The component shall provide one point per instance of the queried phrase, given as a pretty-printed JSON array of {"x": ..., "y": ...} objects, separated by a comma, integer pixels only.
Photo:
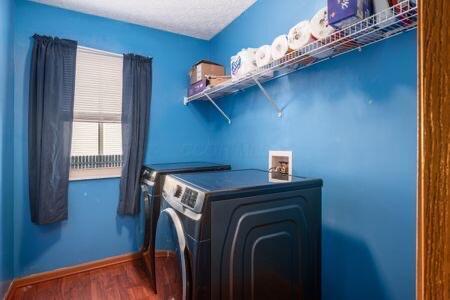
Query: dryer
[
  {"x": 152, "y": 180},
  {"x": 241, "y": 235}
]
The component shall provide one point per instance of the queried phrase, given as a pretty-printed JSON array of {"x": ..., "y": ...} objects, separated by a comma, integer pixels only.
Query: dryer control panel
[
  {"x": 184, "y": 198},
  {"x": 189, "y": 197}
]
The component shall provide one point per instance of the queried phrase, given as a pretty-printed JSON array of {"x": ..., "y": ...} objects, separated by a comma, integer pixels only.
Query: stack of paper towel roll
[
  {"x": 302, "y": 34},
  {"x": 299, "y": 36}
]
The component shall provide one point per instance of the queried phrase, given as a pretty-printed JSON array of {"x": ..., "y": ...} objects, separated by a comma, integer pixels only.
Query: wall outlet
[{"x": 280, "y": 165}]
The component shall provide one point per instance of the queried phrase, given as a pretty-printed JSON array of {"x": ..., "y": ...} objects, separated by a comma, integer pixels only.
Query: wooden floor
[{"x": 122, "y": 281}]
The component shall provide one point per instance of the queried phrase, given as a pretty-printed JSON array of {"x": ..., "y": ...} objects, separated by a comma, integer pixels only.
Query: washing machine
[
  {"x": 152, "y": 180},
  {"x": 241, "y": 234}
]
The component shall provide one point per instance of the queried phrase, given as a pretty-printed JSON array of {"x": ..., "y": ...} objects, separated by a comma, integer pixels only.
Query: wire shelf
[{"x": 399, "y": 18}]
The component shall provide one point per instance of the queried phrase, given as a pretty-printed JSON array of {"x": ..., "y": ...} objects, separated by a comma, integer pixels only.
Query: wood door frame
[{"x": 433, "y": 207}]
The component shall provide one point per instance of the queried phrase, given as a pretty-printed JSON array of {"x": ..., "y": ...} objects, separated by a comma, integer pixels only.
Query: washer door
[{"x": 171, "y": 259}]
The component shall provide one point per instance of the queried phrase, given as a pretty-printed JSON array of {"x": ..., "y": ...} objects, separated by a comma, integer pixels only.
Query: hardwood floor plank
[
  {"x": 76, "y": 287},
  {"x": 49, "y": 290},
  {"x": 121, "y": 281}
]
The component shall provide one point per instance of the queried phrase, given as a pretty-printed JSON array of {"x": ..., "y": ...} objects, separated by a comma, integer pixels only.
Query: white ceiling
[{"x": 197, "y": 18}]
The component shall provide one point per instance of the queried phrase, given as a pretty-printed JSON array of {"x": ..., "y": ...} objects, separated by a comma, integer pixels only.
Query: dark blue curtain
[
  {"x": 50, "y": 116},
  {"x": 137, "y": 89}
]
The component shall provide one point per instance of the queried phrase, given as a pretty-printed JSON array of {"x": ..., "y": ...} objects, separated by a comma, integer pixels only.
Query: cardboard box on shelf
[
  {"x": 204, "y": 68},
  {"x": 214, "y": 80}
]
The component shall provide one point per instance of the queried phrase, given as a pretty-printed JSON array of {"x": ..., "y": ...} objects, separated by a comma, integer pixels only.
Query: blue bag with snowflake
[{"x": 342, "y": 13}]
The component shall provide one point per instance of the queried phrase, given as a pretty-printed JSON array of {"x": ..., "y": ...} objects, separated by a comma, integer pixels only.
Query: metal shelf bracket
[
  {"x": 218, "y": 108},
  {"x": 269, "y": 98}
]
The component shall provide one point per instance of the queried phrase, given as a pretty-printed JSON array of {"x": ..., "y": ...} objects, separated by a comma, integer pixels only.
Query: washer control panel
[{"x": 182, "y": 197}]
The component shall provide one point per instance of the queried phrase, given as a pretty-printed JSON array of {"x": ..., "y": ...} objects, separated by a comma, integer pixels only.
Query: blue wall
[
  {"x": 93, "y": 230},
  {"x": 6, "y": 154},
  {"x": 351, "y": 121}
]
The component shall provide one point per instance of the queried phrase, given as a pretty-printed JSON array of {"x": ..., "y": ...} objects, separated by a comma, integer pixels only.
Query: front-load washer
[
  {"x": 152, "y": 180},
  {"x": 240, "y": 235}
]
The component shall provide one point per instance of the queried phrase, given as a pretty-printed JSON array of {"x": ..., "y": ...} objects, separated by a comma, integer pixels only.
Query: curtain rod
[{"x": 96, "y": 51}]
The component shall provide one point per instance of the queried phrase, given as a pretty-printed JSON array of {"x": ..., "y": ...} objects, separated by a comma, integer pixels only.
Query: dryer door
[
  {"x": 147, "y": 206},
  {"x": 151, "y": 214},
  {"x": 172, "y": 265}
]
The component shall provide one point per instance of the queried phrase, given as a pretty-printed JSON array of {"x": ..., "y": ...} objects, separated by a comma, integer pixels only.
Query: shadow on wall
[
  {"x": 347, "y": 259},
  {"x": 132, "y": 227}
]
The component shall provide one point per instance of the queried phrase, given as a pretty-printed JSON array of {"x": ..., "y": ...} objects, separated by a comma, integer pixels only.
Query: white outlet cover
[{"x": 288, "y": 156}]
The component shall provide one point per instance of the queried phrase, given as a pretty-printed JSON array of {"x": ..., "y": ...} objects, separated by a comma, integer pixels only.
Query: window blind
[
  {"x": 85, "y": 139},
  {"x": 97, "y": 129},
  {"x": 98, "y": 87},
  {"x": 112, "y": 138}
]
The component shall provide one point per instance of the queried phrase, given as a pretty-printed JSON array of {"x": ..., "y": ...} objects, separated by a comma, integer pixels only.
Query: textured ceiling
[{"x": 197, "y": 18}]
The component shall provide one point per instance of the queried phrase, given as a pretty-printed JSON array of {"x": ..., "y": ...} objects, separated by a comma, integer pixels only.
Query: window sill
[{"x": 91, "y": 174}]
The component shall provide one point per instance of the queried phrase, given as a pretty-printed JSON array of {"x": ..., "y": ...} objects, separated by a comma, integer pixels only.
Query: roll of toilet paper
[
  {"x": 319, "y": 24},
  {"x": 280, "y": 46},
  {"x": 300, "y": 35},
  {"x": 264, "y": 55}
]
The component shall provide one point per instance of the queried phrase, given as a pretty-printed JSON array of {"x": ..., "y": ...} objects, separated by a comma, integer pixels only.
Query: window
[{"x": 97, "y": 130}]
